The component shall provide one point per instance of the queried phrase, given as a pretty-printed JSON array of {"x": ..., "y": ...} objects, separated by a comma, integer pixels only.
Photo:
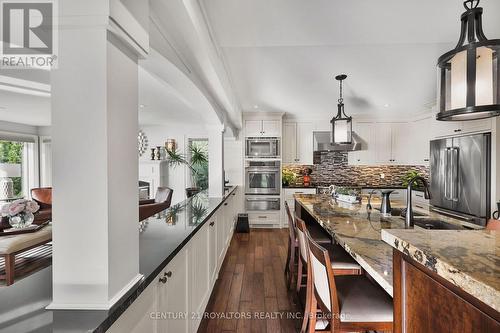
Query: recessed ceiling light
[
  {"x": 142, "y": 106},
  {"x": 386, "y": 105},
  {"x": 256, "y": 106}
]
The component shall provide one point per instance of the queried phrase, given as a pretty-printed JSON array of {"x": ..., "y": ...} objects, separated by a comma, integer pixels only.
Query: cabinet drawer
[
  {"x": 290, "y": 192},
  {"x": 264, "y": 218}
]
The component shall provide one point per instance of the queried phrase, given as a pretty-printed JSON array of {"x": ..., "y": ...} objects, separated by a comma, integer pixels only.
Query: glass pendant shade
[{"x": 468, "y": 76}]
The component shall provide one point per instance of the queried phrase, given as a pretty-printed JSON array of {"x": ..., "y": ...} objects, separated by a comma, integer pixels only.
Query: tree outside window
[{"x": 12, "y": 152}]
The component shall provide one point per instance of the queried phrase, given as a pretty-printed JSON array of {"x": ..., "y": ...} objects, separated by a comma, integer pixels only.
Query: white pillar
[
  {"x": 216, "y": 161},
  {"x": 95, "y": 168}
]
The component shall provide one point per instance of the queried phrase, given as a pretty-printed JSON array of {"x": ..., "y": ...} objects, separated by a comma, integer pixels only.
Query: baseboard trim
[{"x": 97, "y": 306}]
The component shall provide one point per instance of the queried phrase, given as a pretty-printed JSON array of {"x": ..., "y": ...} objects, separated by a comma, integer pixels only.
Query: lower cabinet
[
  {"x": 176, "y": 299},
  {"x": 425, "y": 302}
]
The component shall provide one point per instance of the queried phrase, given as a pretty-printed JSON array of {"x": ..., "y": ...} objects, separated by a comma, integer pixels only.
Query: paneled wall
[{"x": 334, "y": 169}]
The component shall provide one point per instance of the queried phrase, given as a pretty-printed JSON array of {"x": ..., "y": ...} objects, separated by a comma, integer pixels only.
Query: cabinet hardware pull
[
  {"x": 168, "y": 274},
  {"x": 163, "y": 280},
  {"x": 225, "y": 204},
  {"x": 262, "y": 217},
  {"x": 426, "y": 160},
  {"x": 212, "y": 224}
]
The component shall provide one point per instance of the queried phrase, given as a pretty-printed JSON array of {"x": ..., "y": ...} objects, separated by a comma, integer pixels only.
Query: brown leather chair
[
  {"x": 43, "y": 197},
  {"x": 161, "y": 202}
]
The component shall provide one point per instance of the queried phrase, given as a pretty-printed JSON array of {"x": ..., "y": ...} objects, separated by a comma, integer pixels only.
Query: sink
[
  {"x": 435, "y": 224},
  {"x": 397, "y": 212}
]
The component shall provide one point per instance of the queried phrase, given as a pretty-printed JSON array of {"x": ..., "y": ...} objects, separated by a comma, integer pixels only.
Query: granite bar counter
[
  {"x": 161, "y": 237},
  {"x": 467, "y": 259}
]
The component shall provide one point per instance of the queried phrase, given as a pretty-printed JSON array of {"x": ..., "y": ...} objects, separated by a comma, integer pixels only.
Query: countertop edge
[
  {"x": 123, "y": 304},
  {"x": 477, "y": 289}
]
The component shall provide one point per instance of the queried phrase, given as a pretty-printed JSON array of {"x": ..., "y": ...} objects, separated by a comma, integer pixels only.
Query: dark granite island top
[
  {"x": 468, "y": 259},
  {"x": 22, "y": 305}
]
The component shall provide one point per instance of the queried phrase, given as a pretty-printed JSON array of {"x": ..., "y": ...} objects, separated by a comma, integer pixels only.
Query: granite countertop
[
  {"x": 358, "y": 230},
  {"x": 467, "y": 259},
  {"x": 161, "y": 238}
]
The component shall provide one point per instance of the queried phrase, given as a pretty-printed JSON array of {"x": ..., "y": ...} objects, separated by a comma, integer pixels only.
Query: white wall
[
  {"x": 233, "y": 160},
  {"x": 178, "y": 177}
]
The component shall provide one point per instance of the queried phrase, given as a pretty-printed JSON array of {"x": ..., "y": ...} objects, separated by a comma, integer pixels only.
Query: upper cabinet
[
  {"x": 298, "y": 142},
  {"x": 454, "y": 128},
  {"x": 262, "y": 128},
  {"x": 365, "y": 156}
]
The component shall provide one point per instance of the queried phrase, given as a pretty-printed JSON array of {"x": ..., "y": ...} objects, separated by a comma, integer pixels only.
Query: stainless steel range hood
[{"x": 323, "y": 142}]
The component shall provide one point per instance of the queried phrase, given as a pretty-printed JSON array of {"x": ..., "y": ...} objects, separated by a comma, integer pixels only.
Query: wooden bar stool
[
  {"x": 343, "y": 264},
  {"x": 293, "y": 246},
  {"x": 349, "y": 303}
]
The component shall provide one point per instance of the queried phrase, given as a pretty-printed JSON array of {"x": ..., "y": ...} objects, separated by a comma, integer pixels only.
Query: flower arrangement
[{"x": 20, "y": 212}]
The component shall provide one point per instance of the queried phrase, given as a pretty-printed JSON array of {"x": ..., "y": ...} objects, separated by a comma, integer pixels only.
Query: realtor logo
[{"x": 28, "y": 33}]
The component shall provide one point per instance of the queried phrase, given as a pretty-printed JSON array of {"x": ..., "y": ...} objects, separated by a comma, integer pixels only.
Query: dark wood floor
[{"x": 250, "y": 294}]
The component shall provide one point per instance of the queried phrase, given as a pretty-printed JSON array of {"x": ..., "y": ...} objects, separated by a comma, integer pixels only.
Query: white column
[
  {"x": 95, "y": 167},
  {"x": 215, "y": 161}
]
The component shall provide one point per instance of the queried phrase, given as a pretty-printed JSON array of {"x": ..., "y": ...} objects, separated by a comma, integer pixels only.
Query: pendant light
[
  {"x": 468, "y": 75},
  {"x": 341, "y": 123}
]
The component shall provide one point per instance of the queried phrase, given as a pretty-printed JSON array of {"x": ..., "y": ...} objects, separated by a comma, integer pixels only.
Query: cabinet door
[
  {"x": 212, "y": 249},
  {"x": 382, "y": 137},
  {"x": 221, "y": 239},
  {"x": 137, "y": 318},
  {"x": 199, "y": 279},
  {"x": 481, "y": 125},
  {"x": 271, "y": 128},
  {"x": 420, "y": 141},
  {"x": 289, "y": 143},
  {"x": 445, "y": 128},
  {"x": 366, "y": 155},
  {"x": 253, "y": 127},
  {"x": 304, "y": 143},
  {"x": 401, "y": 144},
  {"x": 173, "y": 296}
]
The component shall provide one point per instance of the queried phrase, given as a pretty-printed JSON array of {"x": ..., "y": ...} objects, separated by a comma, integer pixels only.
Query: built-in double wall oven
[{"x": 263, "y": 184}]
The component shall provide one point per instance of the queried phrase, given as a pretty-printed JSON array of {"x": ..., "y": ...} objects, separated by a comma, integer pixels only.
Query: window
[
  {"x": 18, "y": 161},
  {"x": 198, "y": 158}
]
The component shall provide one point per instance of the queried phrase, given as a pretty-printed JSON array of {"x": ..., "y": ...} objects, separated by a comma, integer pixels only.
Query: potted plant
[
  {"x": 20, "y": 212},
  {"x": 409, "y": 176},
  {"x": 197, "y": 166},
  {"x": 287, "y": 177}
]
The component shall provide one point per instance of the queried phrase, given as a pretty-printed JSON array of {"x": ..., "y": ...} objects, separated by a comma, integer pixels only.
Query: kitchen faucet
[{"x": 409, "y": 209}]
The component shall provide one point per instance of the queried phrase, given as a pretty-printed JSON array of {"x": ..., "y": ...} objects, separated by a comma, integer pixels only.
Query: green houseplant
[
  {"x": 409, "y": 176},
  {"x": 197, "y": 164},
  {"x": 287, "y": 177}
]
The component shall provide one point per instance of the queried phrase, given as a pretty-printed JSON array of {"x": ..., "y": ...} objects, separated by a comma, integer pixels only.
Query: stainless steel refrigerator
[{"x": 460, "y": 176}]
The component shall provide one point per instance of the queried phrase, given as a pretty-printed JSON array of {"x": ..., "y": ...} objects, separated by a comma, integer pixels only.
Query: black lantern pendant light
[
  {"x": 341, "y": 123},
  {"x": 468, "y": 75}
]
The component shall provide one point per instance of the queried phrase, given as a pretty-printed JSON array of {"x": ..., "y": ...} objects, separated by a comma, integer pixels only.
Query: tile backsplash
[{"x": 333, "y": 168}]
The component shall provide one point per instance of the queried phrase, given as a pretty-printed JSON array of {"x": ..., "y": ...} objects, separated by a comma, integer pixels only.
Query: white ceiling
[{"x": 282, "y": 55}]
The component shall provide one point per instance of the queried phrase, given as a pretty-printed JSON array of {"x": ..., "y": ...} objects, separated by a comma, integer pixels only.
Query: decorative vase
[
  {"x": 158, "y": 153},
  {"x": 21, "y": 220},
  {"x": 153, "y": 154}
]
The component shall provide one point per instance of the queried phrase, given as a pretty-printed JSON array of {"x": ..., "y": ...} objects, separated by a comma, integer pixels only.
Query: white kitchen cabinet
[
  {"x": 271, "y": 128},
  {"x": 288, "y": 197},
  {"x": 253, "y": 127},
  {"x": 454, "y": 128},
  {"x": 212, "y": 250},
  {"x": 173, "y": 295},
  {"x": 298, "y": 143},
  {"x": 199, "y": 275},
  {"x": 420, "y": 136},
  {"x": 402, "y": 145},
  {"x": 365, "y": 156},
  {"x": 383, "y": 143},
  {"x": 137, "y": 318}
]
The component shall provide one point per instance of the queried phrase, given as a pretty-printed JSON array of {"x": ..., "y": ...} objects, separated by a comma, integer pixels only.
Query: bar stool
[
  {"x": 319, "y": 235},
  {"x": 342, "y": 264},
  {"x": 350, "y": 303}
]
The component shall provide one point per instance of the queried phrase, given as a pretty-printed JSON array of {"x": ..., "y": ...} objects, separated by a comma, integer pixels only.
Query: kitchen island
[{"x": 463, "y": 263}]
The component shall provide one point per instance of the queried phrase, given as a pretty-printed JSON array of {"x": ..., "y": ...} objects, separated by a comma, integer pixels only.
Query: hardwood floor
[{"x": 250, "y": 294}]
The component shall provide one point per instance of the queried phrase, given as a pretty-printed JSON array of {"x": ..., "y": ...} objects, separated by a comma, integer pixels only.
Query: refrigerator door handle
[
  {"x": 455, "y": 183},
  {"x": 447, "y": 182}
]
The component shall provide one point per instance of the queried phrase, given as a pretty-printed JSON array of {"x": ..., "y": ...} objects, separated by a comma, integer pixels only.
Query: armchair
[{"x": 161, "y": 202}]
